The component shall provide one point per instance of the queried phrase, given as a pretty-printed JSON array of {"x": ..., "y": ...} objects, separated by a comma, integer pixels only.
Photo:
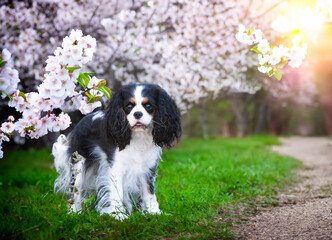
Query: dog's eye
[
  {"x": 130, "y": 106},
  {"x": 148, "y": 106}
]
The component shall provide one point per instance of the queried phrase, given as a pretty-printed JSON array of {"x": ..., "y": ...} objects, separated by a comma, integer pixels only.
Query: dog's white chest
[{"x": 133, "y": 164}]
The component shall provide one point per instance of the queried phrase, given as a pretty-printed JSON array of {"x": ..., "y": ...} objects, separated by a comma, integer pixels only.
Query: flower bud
[{"x": 11, "y": 119}]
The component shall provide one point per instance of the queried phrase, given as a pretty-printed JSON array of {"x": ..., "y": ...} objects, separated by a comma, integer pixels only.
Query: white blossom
[
  {"x": 9, "y": 77},
  {"x": 7, "y": 127},
  {"x": 263, "y": 46},
  {"x": 3, "y": 138},
  {"x": 187, "y": 47}
]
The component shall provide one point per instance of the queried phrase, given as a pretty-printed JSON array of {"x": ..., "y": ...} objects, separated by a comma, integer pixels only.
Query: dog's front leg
[
  {"x": 110, "y": 193},
  {"x": 149, "y": 199},
  {"x": 116, "y": 196}
]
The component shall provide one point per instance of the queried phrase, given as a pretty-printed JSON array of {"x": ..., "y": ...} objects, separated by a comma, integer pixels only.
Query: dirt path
[{"x": 305, "y": 210}]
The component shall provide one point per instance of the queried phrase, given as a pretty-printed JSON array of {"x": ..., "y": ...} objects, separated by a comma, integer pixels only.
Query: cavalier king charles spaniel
[{"x": 114, "y": 153}]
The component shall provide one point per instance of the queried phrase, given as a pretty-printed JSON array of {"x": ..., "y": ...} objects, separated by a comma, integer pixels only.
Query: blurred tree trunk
[
  {"x": 322, "y": 53},
  {"x": 240, "y": 103},
  {"x": 325, "y": 85},
  {"x": 277, "y": 117},
  {"x": 203, "y": 118},
  {"x": 327, "y": 107},
  {"x": 226, "y": 129},
  {"x": 260, "y": 112},
  {"x": 260, "y": 126}
]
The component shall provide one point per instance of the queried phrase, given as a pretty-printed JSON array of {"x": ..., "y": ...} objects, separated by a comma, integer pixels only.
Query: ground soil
[{"x": 304, "y": 211}]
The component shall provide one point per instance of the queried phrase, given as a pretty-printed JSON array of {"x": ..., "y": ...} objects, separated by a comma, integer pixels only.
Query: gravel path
[{"x": 305, "y": 210}]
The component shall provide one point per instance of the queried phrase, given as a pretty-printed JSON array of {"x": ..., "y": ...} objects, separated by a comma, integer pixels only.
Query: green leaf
[
  {"x": 84, "y": 79},
  {"x": 93, "y": 99},
  {"x": 10, "y": 97},
  {"x": 278, "y": 74},
  {"x": 21, "y": 94},
  {"x": 80, "y": 80},
  {"x": 255, "y": 49},
  {"x": 250, "y": 31},
  {"x": 31, "y": 128},
  {"x": 105, "y": 90},
  {"x": 270, "y": 72},
  {"x": 137, "y": 50},
  {"x": 282, "y": 63},
  {"x": 88, "y": 94},
  {"x": 102, "y": 83},
  {"x": 72, "y": 69},
  {"x": 3, "y": 63}
]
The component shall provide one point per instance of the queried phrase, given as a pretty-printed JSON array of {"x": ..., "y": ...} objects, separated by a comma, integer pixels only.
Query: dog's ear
[
  {"x": 117, "y": 127},
  {"x": 167, "y": 121}
]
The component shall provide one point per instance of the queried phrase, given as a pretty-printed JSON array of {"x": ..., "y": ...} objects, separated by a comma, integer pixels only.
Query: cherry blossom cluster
[
  {"x": 58, "y": 90},
  {"x": 188, "y": 47},
  {"x": 9, "y": 77},
  {"x": 63, "y": 68},
  {"x": 272, "y": 58}
]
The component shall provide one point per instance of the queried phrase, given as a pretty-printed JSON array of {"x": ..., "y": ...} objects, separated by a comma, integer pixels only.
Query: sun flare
[{"x": 305, "y": 22}]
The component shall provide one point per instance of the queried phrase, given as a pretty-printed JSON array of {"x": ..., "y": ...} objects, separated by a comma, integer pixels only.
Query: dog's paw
[
  {"x": 155, "y": 211},
  {"x": 118, "y": 215}
]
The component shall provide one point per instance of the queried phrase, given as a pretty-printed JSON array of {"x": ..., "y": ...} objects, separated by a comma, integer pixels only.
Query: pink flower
[
  {"x": 275, "y": 57},
  {"x": 11, "y": 118},
  {"x": 21, "y": 125},
  {"x": 256, "y": 36},
  {"x": 6, "y": 55},
  {"x": 264, "y": 69},
  {"x": 263, "y": 46},
  {"x": 76, "y": 52},
  {"x": 75, "y": 35},
  {"x": 7, "y": 127},
  {"x": 3, "y": 138},
  {"x": 64, "y": 121},
  {"x": 66, "y": 43},
  {"x": 47, "y": 122}
]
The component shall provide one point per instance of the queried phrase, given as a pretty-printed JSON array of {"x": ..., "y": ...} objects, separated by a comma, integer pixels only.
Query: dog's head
[{"x": 139, "y": 108}]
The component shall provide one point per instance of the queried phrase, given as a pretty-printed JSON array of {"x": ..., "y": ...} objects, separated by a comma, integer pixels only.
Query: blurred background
[
  {"x": 190, "y": 49},
  {"x": 301, "y": 104}
]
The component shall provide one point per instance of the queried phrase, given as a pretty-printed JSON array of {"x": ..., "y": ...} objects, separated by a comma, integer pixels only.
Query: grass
[{"x": 194, "y": 181}]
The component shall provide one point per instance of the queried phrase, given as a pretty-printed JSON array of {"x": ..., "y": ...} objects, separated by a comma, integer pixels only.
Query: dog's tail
[{"x": 62, "y": 162}]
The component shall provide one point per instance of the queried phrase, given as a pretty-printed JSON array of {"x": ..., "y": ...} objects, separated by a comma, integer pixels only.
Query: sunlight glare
[{"x": 303, "y": 21}]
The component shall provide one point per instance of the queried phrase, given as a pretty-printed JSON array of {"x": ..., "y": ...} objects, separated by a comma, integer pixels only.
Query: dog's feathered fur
[{"x": 121, "y": 148}]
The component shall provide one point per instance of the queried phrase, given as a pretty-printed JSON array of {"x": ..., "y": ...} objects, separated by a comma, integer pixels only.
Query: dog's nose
[{"x": 138, "y": 115}]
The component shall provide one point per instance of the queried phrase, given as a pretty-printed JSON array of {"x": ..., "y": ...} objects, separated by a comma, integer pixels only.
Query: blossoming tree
[
  {"x": 57, "y": 91},
  {"x": 188, "y": 47}
]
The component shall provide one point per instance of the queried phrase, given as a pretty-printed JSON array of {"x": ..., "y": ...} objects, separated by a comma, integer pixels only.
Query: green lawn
[{"x": 194, "y": 181}]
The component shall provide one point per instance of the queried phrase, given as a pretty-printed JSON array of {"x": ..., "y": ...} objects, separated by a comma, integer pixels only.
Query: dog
[{"x": 114, "y": 154}]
